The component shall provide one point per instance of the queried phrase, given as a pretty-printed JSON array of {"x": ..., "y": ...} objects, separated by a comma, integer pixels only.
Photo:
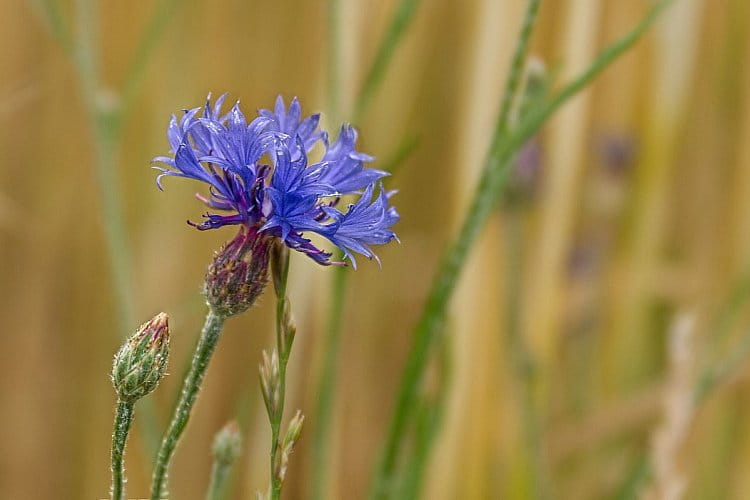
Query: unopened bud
[
  {"x": 294, "y": 430},
  {"x": 142, "y": 361},
  {"x": 288, "y": 327},
  {"x": 227, "y": 444},
  {"x": 287, "y": 446},
  {"x": 238, "y": 273},
  {"x": 270, "y": 381},
  {"x": 279, "y": 266}
]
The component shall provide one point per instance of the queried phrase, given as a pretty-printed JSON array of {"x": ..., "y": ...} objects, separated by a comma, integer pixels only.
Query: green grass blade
[
  {"x": 154, "y": 32},
  {"x": 398, "y": 26},
  {"x": 393, "y": 35},
  {"x": 56, "y": 22},
  {"x": 486, "y": 195}
]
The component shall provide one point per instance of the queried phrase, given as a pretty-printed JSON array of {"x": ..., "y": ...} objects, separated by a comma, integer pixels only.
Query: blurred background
[{"x": 594, "y": 349}]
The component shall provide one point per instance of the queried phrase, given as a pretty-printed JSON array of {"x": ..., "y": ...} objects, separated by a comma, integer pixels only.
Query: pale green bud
[
  {"x": 142, "y": 361},
  {"x": 227, "y": 444}
]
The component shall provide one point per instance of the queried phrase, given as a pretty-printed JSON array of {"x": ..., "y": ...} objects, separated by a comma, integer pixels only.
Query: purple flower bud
[{"x": 238, "y": 273}]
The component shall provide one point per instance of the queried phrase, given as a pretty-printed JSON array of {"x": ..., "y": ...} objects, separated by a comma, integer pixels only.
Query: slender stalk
[
  {"x": 334, "y": 45},
  {"x": 163, "y": 12},
  {"x": 219, "y": 475},
  {"x": 521, "y": 360},
  {"x": 56, "y": 22},
  {"x": 123, "y": 422},
  {"x": 516, "y": 68},
  {"x": 284, "y": 348},
  {"x": 399, "y": 24},
  {"x": 485, "y": 197},
  {"x": 396, "y": 29},
  {"x": 205, "y": 348},
  {"x": 106, "y": 122},
  {"x": 429, "y": 418}
]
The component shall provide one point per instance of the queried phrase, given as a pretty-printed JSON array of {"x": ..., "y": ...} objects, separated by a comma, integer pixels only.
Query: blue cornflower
[{"x": 260, "y": 174}]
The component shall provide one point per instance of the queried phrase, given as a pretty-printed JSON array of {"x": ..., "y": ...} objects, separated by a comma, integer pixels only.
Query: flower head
[{"x": 260, "y": 176}]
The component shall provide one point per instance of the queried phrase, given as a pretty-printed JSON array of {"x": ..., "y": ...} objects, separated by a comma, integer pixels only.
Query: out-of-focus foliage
[{"x": 640, "y": 216}]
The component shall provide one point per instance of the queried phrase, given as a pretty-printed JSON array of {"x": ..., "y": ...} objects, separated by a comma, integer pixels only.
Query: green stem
[
  {"x": 205, "y": 348},
  {"x": 521, "y": 360},
  {"x": 219, "y": 475},
  {"x": 396, "y": 29},
  {"x": 399, "y": 23},
  {"x": 485, "y": 197},
  {"x": 333, "y": 90},
  {"x": 284, "y": 351},
  {"x": 123, "y": 422},
  {"x": 516, "y": 68}
]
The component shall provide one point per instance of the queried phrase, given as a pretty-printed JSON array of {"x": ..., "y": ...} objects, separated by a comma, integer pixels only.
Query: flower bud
[
  {"x": 227, "y": 444},
  {"x": 270, "y": 381},
  {"x": 142, "y": 361},
  {"x": 238, "y": 273},
  {"x": 287, "y": 446}
]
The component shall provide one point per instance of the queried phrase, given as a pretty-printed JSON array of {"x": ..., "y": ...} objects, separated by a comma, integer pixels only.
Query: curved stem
[
  {"x": 206, "y": 346},
  {"x": 123, "y": 421}
]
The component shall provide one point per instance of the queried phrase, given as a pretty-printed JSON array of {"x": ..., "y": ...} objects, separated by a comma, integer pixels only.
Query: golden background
[{"x": 612, "y": 255}]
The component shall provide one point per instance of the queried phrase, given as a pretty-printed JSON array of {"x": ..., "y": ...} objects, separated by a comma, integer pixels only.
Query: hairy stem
[
  {"x": 217, "y": 486},
  {"x": 123, "y": 422},
  {"x": 205, "y": 348}
]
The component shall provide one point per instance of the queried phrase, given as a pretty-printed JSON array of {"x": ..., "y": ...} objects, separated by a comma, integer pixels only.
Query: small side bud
[
  {"x": 238, "y": 273},
  {"x": 270, "y": 381},
  {"x": 294, "y": 430},
  {"x": 227, "y": 444},
  {"x": 142, "y": 361},
  {"x": 288, "y": 327},
  {"x": 287, "y": 446},
  {"x": 279, "y": 266}
]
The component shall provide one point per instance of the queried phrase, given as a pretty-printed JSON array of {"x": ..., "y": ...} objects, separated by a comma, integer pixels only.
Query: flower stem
[
  {"x": 205, "y": 348},
  {"x": 123, "y": 421},
  {"x": 521, "y": 359},
  {"x": 284, "y": 348},
  {"x": 219, "y": 475}
]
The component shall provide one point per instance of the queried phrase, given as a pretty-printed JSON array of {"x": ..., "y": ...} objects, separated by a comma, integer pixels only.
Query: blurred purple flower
[{"x": 290, "y": 196}]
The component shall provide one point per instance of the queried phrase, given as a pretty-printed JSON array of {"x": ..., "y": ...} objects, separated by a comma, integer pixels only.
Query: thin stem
[
  {"x": 516, "y": 68},
  {"x": 334, "y": 45},
  {"x": 400, "y": 21},
  {"x": 485, "y": 197},
  {"x": 56, "y": 21},
  {"x": 521, "y": 361},
  {"x": 163, "y": 12},
  {"x": 396, "y": 29},
  {"x": 429, "y": 418},
  {"x": 217, "y": 486},
  {"x": 123, "y": 422},
  {"x": 284, "y": 348},
  {"x": 205, "y": 348}
]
